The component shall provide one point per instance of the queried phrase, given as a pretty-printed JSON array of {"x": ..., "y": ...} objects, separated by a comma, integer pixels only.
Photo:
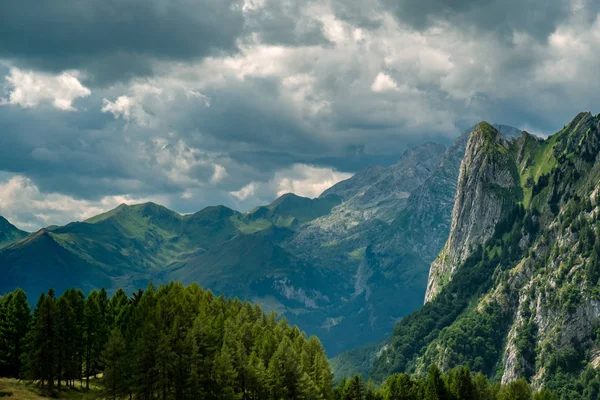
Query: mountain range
[
  {"x": 498, "y": 235},
  {"x": 345, "y": 266}
]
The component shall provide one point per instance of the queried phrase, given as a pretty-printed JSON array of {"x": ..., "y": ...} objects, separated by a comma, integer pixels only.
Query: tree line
[
  {"x": 457, "y": 384},
  {"x": 173, "y": 342}
]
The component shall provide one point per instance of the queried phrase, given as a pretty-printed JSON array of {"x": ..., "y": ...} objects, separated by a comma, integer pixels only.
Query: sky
[{"x": 190, "y": 103}]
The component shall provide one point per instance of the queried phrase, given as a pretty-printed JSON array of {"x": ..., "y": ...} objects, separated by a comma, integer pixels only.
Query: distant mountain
[
  {"x": 9, "y": 233},
  {"x": 343, "y": 266},
  {"x": 383, "y": 192}
]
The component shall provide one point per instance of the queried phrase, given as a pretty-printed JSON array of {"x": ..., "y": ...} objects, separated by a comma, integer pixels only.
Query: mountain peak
[
  {"x": 487, "y": 131},
  {"x": 485, "y": 126}
]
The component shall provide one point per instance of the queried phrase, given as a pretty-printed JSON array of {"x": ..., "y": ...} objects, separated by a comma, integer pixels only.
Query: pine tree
[
  {"x": 482, "y": 388},
  {"x": 92, "y": 329},
  {"x": 461, "y": 383},
  {"x": 76, "y": 300},
  {"x": 354, "y": 389},
  {"x": 225, "y": 375},
  {"x": 285, "y": 371},
  {"x": 435, "y": 388},
  {"x": 164, "y": 357},
  {"x": 41, "y": 357},
  {"x": 401, "y": 387},
  {"x": 14, "y": 327},
  {"x": 257, "y": 384},
  {"x": 118, "y": 309},
  {"x": 3, "y": 341},
  {"x": 66, "y": 328},
  {"x": 315, "y": 363},
  {"x": 115, "y": 365}
]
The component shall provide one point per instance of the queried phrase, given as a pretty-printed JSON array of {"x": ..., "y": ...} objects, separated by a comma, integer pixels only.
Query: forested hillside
[
  {"x": 179, "y": 342},
  {"x": 173, "y": 342}
]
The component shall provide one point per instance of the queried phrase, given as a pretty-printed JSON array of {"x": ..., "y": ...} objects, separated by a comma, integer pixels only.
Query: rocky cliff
[
  {"x": 515, "y": 291},
  {"x": 486, "y": 189}
]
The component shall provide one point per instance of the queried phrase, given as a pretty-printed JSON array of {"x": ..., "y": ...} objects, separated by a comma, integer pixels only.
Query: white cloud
[
  {"x": 183, "y": 166},
  {"x": 384, "y": 83},
  {"x": 246, "y": 192},
  {"x": 29, "y": 89},
  {"x": 146, "y": 102},
  {"x": 306, "y": 180},
  {"x": 131, "y": 107},
  {"x": 252, "y": 5},
  {"x": 24, "y": 205},
  {"x": 219, "y": 174},
  {"x": 121, "y": 107},
  {"x": 300, "y": 179}
]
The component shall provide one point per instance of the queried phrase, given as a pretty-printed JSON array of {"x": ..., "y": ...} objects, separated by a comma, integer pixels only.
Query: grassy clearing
[{"x": 24, "y": 390}]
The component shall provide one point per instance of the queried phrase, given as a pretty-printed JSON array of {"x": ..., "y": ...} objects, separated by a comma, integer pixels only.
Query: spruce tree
[
  {"x": 14, "y": 326},
  {"x": 461, "y": 383},
  {"x": 41, "y": 355},
  {"x": 354, "y": 389},
  {"x": 285, "y": 371},
  {"x": 225, "y": 376},
  {"x": 91, "y": 335},
  {"x": 435, "y": 388},
  {"x": 115, "y": 363},
  {"x": 65, "y": 351}
]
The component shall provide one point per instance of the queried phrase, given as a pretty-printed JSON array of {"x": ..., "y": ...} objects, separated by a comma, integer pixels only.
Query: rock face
[
  {"x": 383, "y": 192},
  {"x": 485, "y": 189},
  {"x": 514, "y": 293}
]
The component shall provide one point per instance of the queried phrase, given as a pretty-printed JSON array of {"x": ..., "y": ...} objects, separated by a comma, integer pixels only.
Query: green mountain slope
[
  {"x": 40, "y": 260},
  {"x": 9, "y": 233},
  {"x": 289, "y": 211},
  {"x": 515, "y": 291}
]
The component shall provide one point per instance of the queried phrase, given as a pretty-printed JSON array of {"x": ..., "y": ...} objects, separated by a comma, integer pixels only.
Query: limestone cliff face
[{"x": 486, "y": 186}]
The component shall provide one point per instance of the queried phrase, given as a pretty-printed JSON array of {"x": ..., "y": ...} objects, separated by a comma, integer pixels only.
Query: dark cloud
[
  {"x": 363, "y": 14},
  {"x": 298, "y": 94},
  {"x": 115, "y": 39},
  {"x": 252, "y": 114},
  {"x": 498, "y": 16},
  {"x": 282, "y": 22}
]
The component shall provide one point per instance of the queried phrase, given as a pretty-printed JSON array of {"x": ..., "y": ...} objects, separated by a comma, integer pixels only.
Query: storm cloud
[{"x": 195, "y": 103}]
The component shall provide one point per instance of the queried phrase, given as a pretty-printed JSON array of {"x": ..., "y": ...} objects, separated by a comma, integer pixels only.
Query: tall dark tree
[
  {"x": 92, "y": 330},
  {"x": 461, "y": 384},
  {"x": 354, "y": 389},
  {"x": 42, "y": 341},
  {"x": 115, "y": 364},
  {"x": 435, "y": 387},
  {"x": 66, "y": 358},
  {"x": 14, "y": 325},
  {"x": 76, "y": 300}
]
